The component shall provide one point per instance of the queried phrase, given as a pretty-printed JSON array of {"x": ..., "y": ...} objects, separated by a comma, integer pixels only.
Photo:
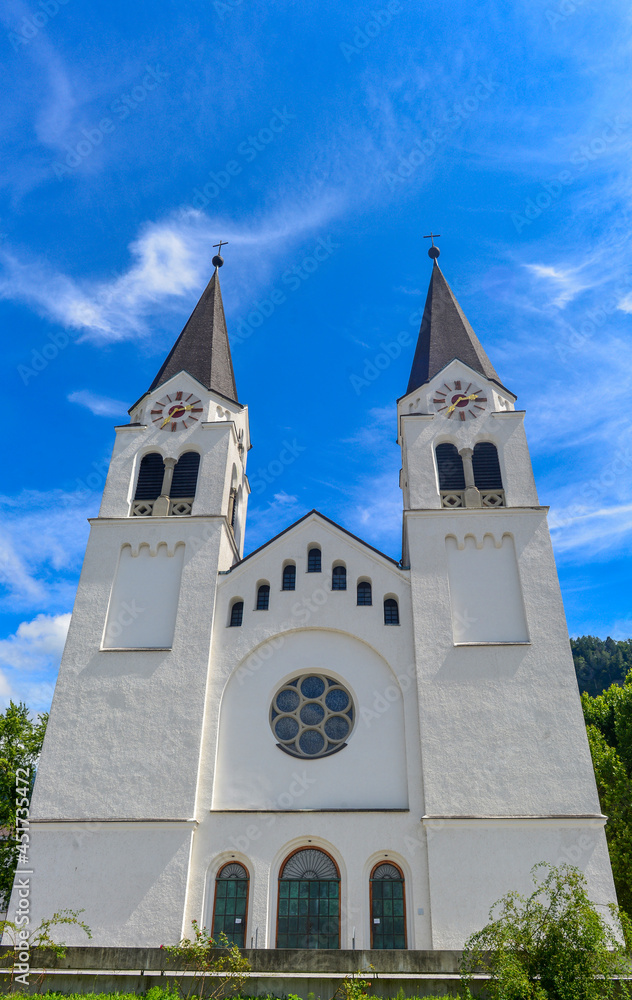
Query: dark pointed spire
[
  {"x": 444, "y": 335},
  {"x": 202, "y": 349}
]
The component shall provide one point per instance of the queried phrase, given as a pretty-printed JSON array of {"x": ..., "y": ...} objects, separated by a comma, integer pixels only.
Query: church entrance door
[{"x": 309, "y": 901}]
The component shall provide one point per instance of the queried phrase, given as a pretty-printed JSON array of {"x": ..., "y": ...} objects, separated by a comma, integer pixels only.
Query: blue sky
[{"x": 136, "y": 136}]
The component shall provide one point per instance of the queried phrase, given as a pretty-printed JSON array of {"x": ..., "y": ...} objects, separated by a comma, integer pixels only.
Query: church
[{"x": 314, "y": 745}]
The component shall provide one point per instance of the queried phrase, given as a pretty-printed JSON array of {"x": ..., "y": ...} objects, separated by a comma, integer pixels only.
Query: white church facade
[{"x": 314, "y": 746}]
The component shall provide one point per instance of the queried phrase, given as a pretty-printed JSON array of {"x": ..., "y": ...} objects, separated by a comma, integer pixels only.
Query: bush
[{"x": 552, "y": 945}]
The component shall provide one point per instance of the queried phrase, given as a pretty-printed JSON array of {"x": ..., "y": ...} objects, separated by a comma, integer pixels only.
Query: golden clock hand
[
  {"x": 462, "y": 399},
  {"x": 169, "y": 416}
]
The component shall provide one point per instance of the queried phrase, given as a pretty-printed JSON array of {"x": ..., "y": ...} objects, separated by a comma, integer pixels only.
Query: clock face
[
  {"x": 459, "y": 400},
  {"x": 177, "y": 411}
]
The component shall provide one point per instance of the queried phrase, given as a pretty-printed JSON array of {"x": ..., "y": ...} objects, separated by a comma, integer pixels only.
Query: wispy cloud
[
  {"x": 169, "y": 262},
  {"x": 567, "y": 282},
  {"x": 100, "y": 406},
  {"x": 42, "y": 540}
]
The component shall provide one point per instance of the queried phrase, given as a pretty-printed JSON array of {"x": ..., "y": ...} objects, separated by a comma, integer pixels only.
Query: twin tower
[{"x": 314, "y": 746}]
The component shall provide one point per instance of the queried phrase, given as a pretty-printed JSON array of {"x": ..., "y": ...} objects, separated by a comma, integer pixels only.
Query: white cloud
[
  {"x": 101, "y": 406},
  {"x": 35, "y": 644},
  {"x": 592, "y": 536},
  {"x": 169, "y": 266},
  {"x": 30, "y": 660},
  {"x": 625, "y": 305},
  {"x": 567, "y": 282},
  {"x": 42, "y": 541}
]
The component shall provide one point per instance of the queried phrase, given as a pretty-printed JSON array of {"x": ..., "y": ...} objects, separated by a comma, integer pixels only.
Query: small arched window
[
  {"x": 263, "y": 597},
  {"x": 450, "y": 468},
  {"x": 185, "y": 476},
  {"x": 365, "y": 598},
  {"x": 289, "y": 577},
  {"x": 150, "y": 475},
  {"x": 388, "y": 917},
  {"x": 313, "y": 561},
  {"x": 237, "y": 614},
  {"x": 391, "y": 611},
  {"x": 486, "y": 467},
  {"x": 231, "y": 903},
  {"x": 339, "y": 578}
]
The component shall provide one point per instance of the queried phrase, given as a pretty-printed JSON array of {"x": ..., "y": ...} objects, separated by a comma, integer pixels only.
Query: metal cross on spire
[
  {"x": 433, "y": 251},
  {"x": 217, "y": 260}
]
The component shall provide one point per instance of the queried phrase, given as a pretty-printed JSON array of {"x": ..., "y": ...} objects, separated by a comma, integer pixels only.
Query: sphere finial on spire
[
  {"x": 433, "y": 251},
  {"x": 217, "y": 260}
]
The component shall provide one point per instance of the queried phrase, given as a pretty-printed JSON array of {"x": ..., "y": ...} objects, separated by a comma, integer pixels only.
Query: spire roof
[
  {"x": 202, "y": 349},
  {"x": 444, "y": 335}
]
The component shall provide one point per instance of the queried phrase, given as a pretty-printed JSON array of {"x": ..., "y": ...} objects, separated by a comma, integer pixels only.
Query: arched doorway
[
  {"x": 388, "y": 907},
  {"x": 309, "y": 901}
]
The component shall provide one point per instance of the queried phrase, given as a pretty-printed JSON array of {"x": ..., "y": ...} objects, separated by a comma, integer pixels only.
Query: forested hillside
[{"x": 600, "y": 662}]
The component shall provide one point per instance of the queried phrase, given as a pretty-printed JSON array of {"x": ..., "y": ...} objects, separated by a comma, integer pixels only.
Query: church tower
[
  {"x": 314, "y": 745},
  {"x": 507, "y": 773}
]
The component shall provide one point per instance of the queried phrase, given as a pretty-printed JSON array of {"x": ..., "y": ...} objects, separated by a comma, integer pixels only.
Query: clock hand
[
  {"x": 169, "y": 416},
  {"x": 462, "y": 399}
]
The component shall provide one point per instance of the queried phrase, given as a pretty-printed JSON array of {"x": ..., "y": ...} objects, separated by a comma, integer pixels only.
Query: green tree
[
  {"x": 551, "y": 945},
  {"x": 600, "y": 662},
  {"x": 615, "y": 795},
  {"x": 21, "y": 741}
]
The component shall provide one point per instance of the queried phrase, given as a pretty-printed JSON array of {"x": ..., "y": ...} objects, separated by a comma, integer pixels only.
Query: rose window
[{"x": 312, "y": 716}]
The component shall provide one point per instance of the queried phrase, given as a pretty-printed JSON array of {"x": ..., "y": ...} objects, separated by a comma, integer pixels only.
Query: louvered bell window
[
  {"x": 450, "y": 467},
  {"x": 486, "y": 467},
  {"x": 150, "y": 475},
  {"x": 185, "y": 475}
]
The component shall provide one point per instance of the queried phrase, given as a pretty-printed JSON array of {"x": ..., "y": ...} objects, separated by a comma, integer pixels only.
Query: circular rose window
[{"x": 312, "y": 716}]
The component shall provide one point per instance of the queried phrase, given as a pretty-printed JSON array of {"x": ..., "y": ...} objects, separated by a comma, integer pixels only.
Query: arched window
[
  {"x": 313, "y": 561},
  {"x": 388, "y": 916},
  {"x": 232, "y": 507},
  {"x": 450, "y": 467},
  {"x": 391, "y": 612},
  {"x": 339, "y": 578},
  {"x": 486, "y": 467},
  {"x": 263, "y": 597},
  {"x": 289, "y": 577},
  {"x": 185, "y": 476},
  {"x": 231, "y": 903},
  {"x": 309, "y": 901},
  {"x": 364, "y": 594},
  {"x": 237, "y": 613},
  {"x": 150, "y": 475}
]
